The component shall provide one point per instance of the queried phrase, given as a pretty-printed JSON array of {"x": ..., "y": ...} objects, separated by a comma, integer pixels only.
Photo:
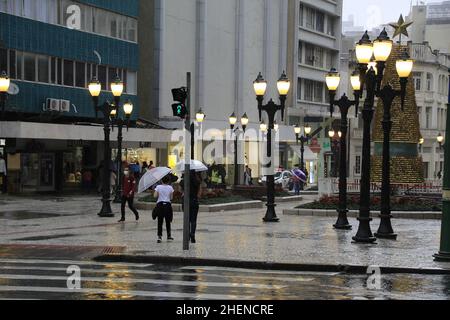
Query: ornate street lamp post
[
  {"x": 444, "y": 251},
  {"x": 344, "y": 103},
  {"x": 387, "y": 95},
  {"x": 260, "y": 87},
  {"x": 95, "y": 89},
  {"x": 244, "y": 122},
  {"x": 302, "y": 139},
  {"x": 120, "y": 122},
  {"x": 199, "y": 117},
  {"x": 5, "y": 82}
]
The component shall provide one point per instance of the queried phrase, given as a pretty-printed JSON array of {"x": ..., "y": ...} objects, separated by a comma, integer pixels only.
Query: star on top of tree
[{"x": 401, "y": 27}]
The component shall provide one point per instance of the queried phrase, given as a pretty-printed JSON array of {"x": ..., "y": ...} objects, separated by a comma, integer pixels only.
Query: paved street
[
  {"x": 47, "y": 279},
  {"x": 70, "y": 228}
]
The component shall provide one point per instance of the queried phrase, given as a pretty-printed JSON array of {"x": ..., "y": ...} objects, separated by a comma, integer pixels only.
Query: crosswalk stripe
[
  {"x": 147, "y": 281},
  {"x": 206, "y": 268},
  {"x": 126, "y": 293},
  {"x": 74, "y": 262},
  {"x": 297, "y": 278}
]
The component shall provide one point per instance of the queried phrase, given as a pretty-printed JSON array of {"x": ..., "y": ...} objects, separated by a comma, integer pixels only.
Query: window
[
  {"x": 29, "y": 64},
  {"x": 318, "y": 91},
  {"x": 426, "y": 166},
  {"x": 53, "y": 71},
  {"x": 43, "y": 10},
  {"x": 3, "y": 6},
  {"x": 68, "y": 73},
  {"x": 19, "y": 59},
  {"x": 29, "y": 9},
  {"x": 3, "y": 60},
  {"x": 43, "y": 69},
  {"x": 300, "y": 52},
  {"x": 302, "y": 11},
  {"x": 428, "y": 118},
  {"x": 417, "y": 80},
  {"x": 330, "y": 26},
  {"x": 309, "y": 54},
  {"x": 309, "y": 90},
  {"x": 132, "y": 29},
  {"x": 80, "y": 75},
  {"x": 309, "y": 18},
  {"x": 429, "y": 82},
  {"x": 60, "y": 71},
  {"x": 299, "y": 89},
  {"x": 320, "y": 22},
  {"x": 358, "y": 165},
  {"x": 318, "y": 57},
  {"x": 12, "y": 64}
]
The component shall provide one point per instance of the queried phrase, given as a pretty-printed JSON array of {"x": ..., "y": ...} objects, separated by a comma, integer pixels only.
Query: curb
[
  {"x": 432, "y": 215},
  {"x": 262, "y": 265},
  {"x": 209, "y": 208},
  {"x": 286, "y": 199}
]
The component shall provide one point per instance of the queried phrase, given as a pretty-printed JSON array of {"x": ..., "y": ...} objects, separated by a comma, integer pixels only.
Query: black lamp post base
[
  {"x": 271, "y": 216},
  {"x": 342, "y": 222},
  {"x": 388, "y": 236},
  {"x": 106, "y": 211},
  {"x": 442, "y": 256},
  {"x": 385, "y": 231},
  {"x": 364, "y": 234}
]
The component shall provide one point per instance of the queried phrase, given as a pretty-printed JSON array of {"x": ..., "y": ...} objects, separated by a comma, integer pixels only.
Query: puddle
[
  {"x": 25, "y": 215},
  {"x": 41, "y": 238}
]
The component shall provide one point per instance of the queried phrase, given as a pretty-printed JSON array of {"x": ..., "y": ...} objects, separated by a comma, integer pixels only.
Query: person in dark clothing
[
  {"x": 194, "y": 195},
  {"x": 164, "y": 194},
  {"x": 128, "y": 191}
]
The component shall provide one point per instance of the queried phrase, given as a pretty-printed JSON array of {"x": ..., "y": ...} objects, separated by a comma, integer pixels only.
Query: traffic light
[{"x": 179, "y": 109}]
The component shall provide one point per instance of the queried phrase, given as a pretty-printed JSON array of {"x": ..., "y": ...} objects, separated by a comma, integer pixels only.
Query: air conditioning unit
[
  {"x": 65, "y": 106},
  {"x": 53, "y": 104}
]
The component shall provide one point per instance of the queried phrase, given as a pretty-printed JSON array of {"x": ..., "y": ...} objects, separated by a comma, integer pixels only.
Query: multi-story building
[
  {"x": 224, "y": 44},
  {"x": 315, "y": 43},
  {"x": 432, "y": 84},
  {"x": 431, "y": 24},
  {"x": 51, "y": 49}
]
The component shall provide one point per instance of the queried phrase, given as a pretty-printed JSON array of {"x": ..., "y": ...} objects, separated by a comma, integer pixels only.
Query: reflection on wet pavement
[{"x": 47, "y": 279}]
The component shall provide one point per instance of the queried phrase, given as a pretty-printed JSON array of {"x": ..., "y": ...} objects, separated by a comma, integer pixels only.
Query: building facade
[
  {"x": 431, "y": 24},
  {"x": 315, "y": 33},
  {"x": 224, "y": 44},
  {"x": 51, "y": 49}
]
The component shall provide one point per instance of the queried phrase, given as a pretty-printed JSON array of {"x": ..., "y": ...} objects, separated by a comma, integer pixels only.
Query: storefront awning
[
  {"x": 308, "y": 154},
  {"x": 50, "y": 131}
]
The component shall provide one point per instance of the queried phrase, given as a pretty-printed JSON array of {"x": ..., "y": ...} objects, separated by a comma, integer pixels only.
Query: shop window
[
  {"x": 68, "y": 73},
  {"x": 80, "y": 75},
  {"x": 43, "y": 69},
  {"x": 12, "y": 64},
  {"x": 29, "y": 63},
  {"x": 3, "y": 60}
]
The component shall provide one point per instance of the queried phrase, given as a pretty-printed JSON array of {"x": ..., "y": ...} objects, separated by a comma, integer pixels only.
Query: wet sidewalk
[{"x": 236, "y": 235}]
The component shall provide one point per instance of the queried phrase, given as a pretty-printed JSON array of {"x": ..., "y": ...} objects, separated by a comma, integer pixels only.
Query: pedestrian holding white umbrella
[
  {"x": 152, "y": 177},
  {"x": 196, "y": 166}
]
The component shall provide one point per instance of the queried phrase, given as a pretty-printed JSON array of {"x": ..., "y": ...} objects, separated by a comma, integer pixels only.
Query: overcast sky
[{"x": 372, "y": 13}]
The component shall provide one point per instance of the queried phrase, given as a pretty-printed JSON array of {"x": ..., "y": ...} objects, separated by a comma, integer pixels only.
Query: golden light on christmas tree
[{"x": 406, "y": 164}]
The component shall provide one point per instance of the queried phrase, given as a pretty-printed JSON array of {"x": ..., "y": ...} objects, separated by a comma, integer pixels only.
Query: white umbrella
[
  {"x": 196, "y": 165},
  {"x": 152, "y": 177}
]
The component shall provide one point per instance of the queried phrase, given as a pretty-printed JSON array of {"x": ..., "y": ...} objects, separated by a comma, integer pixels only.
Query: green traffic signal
[{"x": 179, "y": 110}]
